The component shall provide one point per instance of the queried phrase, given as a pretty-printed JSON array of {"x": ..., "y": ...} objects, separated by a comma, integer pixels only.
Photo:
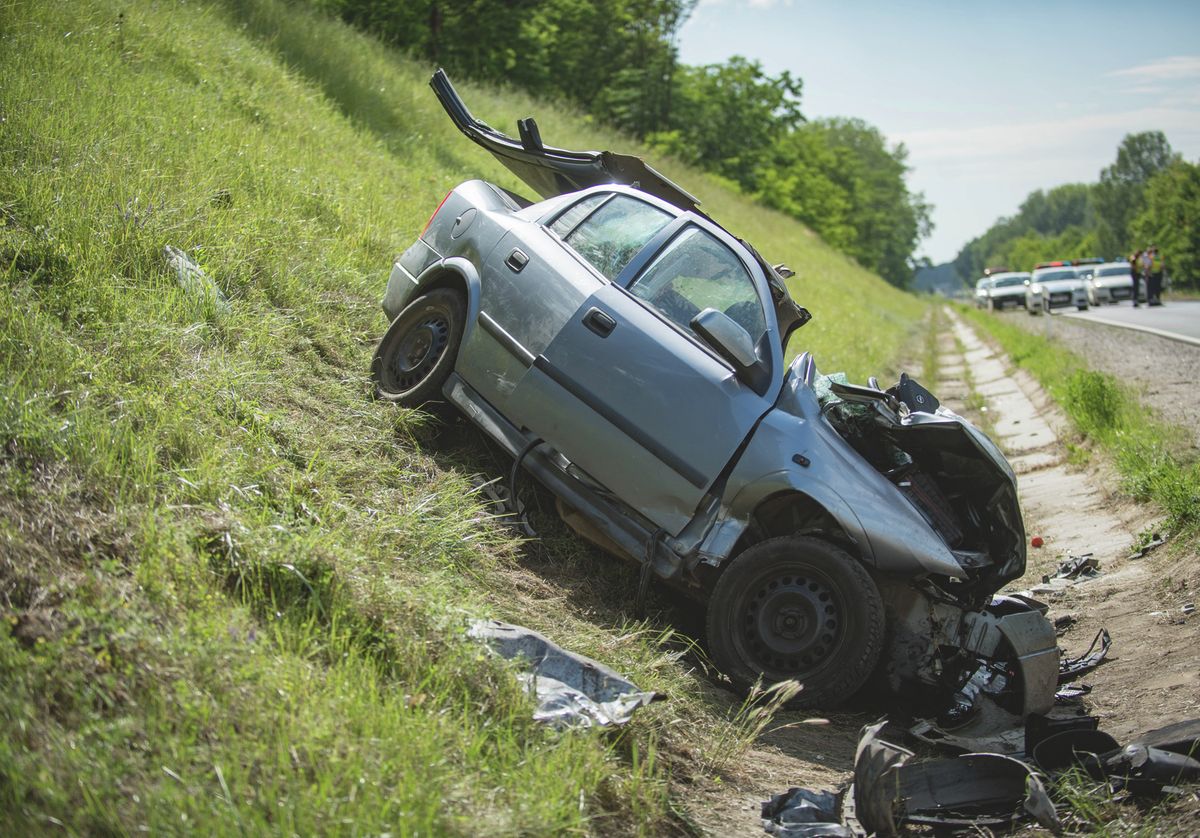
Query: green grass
[
  {"x": 1153, "y": 458},
  {"x": 235, "y": 585}
]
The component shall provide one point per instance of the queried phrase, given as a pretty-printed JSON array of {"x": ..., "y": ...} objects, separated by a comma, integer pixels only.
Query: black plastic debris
[
  {"x": 1071, "y": 693},
  {"x": 571, "y": 690},
  {"x": 800, "y": 813},
  {"x": 1154, "y": 543},
  {"x": 974, "y": 790},
  {"x": 1095, "y": 655},
  {"x": 1077, "y": 567},
  {"x": 1039, "y": 728},
  {"x": 1143, "y": 770},
  {"x": 1181, "y": 738},
  {"x": 876, "y": 790},
  {"x": 1075, "y": 748}
]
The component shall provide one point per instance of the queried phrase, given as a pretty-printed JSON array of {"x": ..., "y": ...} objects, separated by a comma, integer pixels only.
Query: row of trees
[
  {"x": 617, "y": 59},
  {"x": 1148, "y": 195}
]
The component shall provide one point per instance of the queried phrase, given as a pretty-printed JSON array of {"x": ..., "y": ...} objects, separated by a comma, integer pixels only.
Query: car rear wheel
[
  {"x": 418, "y": 350},
  {"x": 797, "y": 608}
]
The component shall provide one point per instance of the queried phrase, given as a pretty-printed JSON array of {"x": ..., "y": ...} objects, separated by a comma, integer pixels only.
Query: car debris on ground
[
  {"x": 571, "y": 691},
  {"x": 892, "y": 789}
]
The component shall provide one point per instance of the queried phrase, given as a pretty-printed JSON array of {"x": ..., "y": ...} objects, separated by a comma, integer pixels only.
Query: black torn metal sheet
[{"x": 571, "y": 690}]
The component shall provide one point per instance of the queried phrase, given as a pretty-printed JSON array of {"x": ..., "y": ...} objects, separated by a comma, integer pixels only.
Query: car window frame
[
  {"x": 650, "y": 251},
  {"x": 638, "y": 264}
]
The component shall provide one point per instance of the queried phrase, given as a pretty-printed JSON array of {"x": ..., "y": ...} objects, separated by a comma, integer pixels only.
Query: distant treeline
[
  {"x": 617, "y": 60},
  {"x": 1149, "y": 195}
]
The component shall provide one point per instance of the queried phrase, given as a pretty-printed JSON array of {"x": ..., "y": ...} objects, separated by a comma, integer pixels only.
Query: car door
[{"x": 628, "y": 393}]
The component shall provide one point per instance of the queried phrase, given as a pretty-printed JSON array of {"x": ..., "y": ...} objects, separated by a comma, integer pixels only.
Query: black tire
[
  {"x": 419, "y": 349},
  {"x": 798, "y": 608}
]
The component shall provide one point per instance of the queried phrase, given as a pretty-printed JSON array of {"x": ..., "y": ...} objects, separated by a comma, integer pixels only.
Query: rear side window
[
  {"x": 608, "y": 237},
  {"x": 695, "y": 272}
]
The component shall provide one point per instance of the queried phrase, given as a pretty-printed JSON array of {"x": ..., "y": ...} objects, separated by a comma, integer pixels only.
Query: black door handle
[
  {"x": 599, "y": 322},
  {"x": 516, "y": 260}
]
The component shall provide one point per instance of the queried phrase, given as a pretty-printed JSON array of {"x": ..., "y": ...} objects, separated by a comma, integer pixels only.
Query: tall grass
[{"x": 234, "y": 587}]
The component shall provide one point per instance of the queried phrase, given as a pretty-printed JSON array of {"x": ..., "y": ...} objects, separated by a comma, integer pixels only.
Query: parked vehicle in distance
[
  {"x": 628, "y": 352},
  {"x": 1055, "y": 285},
  {"x": 1007, "y": 289},
  {"x": 1112, "y": 282},
  {"x": 981, "y": 292}
]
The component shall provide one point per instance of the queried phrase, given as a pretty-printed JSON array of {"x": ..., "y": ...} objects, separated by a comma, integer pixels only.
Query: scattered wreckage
[
  {"x": 628, "y": 352},
  {"x": 891, "y": 789}
]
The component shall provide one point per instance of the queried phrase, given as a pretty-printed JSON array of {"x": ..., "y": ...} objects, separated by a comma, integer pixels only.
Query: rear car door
[{"x": 625, "y": 390}]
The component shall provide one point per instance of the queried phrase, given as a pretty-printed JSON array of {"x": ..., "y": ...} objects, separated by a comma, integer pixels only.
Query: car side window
[
  {"x": 608, "y": 237},
  {"x": 694, "y": 272}
]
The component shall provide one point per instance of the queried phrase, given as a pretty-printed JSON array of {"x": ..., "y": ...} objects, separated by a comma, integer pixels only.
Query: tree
[
  {"x": 1119, "y": 195},
  {"x": 727, "y": 117},
  {"x": 1042, "y": 217},
  {"x": 1170, "y": 219}
]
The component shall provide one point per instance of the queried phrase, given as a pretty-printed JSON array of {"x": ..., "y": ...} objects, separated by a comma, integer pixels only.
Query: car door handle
[
  {"x": 516, "y": 260},
  {"x": 599, "y": 322}
]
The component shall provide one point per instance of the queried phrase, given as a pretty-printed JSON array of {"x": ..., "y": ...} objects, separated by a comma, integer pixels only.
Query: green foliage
[
  {"x": 1145, "y": 195},
  {"x": 1171, "y": 220},
  {"x": 1062, "y": 217},
  {"x": 1120, "y": 194}
]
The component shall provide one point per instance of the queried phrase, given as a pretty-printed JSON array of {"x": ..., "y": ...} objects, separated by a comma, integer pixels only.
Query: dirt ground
[{"x": 1153, "y": 675}]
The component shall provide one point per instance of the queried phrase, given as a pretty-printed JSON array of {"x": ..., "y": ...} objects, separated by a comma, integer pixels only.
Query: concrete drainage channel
[{"x": 1061, "y": 504}]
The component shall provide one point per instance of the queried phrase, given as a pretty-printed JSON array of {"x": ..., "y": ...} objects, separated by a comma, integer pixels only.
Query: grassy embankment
[
  {"x": 233, "y": 585},
  {"x": 1154, "y": 459}
]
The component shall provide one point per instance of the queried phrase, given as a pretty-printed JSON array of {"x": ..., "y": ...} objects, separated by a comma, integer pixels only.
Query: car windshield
[
  {"x": 1119, "y": 270},
  {"x": 981, "y": 284},
  {"x": 1009, "y": 281},
  {"x": 608, "y": 233},
  {"x": 695, "y": 272},
  {"x": 1054, "y": 276}
]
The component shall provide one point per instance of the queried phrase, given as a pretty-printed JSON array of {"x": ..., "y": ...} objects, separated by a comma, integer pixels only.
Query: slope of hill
[{"x": 236, "y": 586}]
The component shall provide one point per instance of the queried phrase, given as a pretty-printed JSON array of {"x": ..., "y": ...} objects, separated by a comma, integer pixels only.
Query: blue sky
[{"x": 992, "y": 100}]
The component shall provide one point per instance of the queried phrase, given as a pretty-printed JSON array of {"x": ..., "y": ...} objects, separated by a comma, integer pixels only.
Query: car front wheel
[
  {"x": 797, "y": 608},
  {"x": 418, "y": 350}
]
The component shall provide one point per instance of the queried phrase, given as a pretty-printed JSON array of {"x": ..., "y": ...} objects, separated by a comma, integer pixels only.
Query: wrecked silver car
[{"x": 628, "y": 352}]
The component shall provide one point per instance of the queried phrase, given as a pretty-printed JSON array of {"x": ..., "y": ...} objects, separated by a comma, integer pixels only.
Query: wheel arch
[{"x": 457, "y": 274}]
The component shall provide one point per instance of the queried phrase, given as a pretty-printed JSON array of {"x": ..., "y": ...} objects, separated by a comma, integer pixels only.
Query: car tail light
[{"x": 425, "y": 229}]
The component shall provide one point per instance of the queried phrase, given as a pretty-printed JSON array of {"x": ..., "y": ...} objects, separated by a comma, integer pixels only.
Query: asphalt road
[{"x": 1179, "y": 320}]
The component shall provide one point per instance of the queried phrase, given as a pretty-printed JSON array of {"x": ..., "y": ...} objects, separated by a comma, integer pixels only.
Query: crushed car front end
[{"x": 929, "y": 504}]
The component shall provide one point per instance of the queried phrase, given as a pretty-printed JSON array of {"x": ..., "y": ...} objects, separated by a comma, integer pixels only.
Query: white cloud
[
  {"x": 1163, "y": 69},
  {"x": 1032, "y": 139}
]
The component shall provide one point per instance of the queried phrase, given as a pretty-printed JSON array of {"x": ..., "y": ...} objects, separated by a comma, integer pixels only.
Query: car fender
[
  {"x": 452, "y": 272},
  {"x": 734, "y": 518},
  {"x": 886, "y": 529},
  {"x": 436, "y": 276}
]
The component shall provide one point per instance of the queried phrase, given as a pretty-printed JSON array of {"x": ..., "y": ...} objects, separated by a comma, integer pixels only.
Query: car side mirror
[{"x": 731, "y": 342}]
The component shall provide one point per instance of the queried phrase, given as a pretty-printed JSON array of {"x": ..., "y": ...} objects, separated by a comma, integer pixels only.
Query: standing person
[
  {"x": 1154, "y": 280},
  {"x": 1135, "y": 270},
  {"x": 1146, "y": 261}
]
